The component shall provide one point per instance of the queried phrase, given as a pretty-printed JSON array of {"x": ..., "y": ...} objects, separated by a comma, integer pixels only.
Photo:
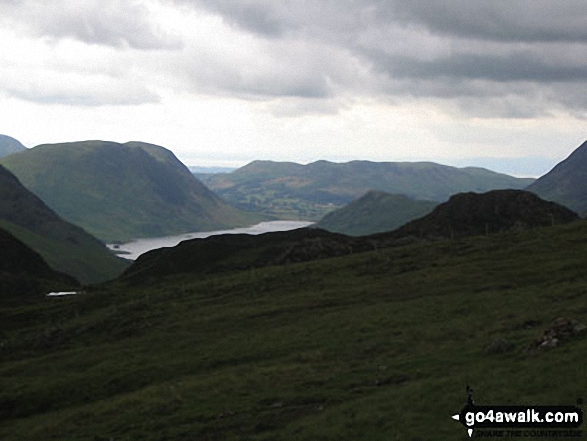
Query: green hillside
[
  {"x": 566, "y": 183},
  {"x": 122, "y": 191},
  {"x": 9, "y": 145},
  {"x": 375, "y": 212},
  {"x": 289, "y": 190},
  {"x": 370, "y": 346},
  {"x": 65, "y": 247},
  {"x": 24, "y": 274}
]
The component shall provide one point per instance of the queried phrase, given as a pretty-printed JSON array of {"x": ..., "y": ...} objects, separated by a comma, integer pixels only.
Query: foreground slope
[
  {"x": 9, "y": 145},
  {"x": 122, "y": 191},
  {"x": 310, "y": 191},
  {"x": 229, "y": 252},
  {"x": 66, "y": 247},
  {"x": 375, "y": 212},
  {"x": 566, "y": 183},
  {"x": 370, "y": 346}
]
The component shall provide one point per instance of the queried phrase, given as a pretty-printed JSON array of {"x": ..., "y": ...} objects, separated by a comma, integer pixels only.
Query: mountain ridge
[
  {"x": 291, "y": 190},
  {"x": 10, "y": 145},
  {"x": 64, "y": 246},
  {"x": 566, "y": 183},
  {"x": 120, "y": 192}
]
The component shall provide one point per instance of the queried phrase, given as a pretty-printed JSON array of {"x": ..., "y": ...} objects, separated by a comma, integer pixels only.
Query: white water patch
[
  {"x": 132, "y": 250},
  {"x": 63, "y": 293}
]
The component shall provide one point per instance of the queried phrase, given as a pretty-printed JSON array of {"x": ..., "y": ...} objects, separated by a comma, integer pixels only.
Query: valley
[
  {"x": 308, "y": 192},
  {"x": 300, "y": 334},
  {"x": 293, "y": 221},
  {"x": 378, "y": 344}
]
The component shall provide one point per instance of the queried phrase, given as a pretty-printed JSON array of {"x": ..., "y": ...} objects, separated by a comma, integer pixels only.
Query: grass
[
  {"x": 86, "y": 260},
  {"x": 309, "y": 192},
  {"x": 119, "y": 192},
  {"x": 374, "y": 346}
]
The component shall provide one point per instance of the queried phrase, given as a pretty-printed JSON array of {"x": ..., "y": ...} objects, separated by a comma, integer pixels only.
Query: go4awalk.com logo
[{"x": 520, "y": 421}]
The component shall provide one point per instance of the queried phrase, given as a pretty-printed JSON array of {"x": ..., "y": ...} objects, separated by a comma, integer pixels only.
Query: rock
[
  {"x": 499, "y": 346},
  {"x": 561, "y": 329}
]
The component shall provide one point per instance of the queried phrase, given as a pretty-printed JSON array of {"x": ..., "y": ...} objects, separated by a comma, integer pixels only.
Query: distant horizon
[
  {"x": 520, "y": 167},
  {"x": 223, "y": 83}
]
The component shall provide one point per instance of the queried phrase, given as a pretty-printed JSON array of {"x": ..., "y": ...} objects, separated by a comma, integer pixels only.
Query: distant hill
[
  {"x": 290, "y": 190},
  {"x": 24, "y": 273},
  {"x": 375, "y": 212},
  {"x": 66, "y": 247},
  {"x": 469, "y": 214},
  {"x": 9, "y": 145},
  {"x": 566, "y": 183},
  {"x": 123, "y": 191},
  {"x": 465, "y": 214}
]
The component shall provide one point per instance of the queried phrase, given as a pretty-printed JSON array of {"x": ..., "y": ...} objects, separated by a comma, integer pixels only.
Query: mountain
[
  {"x": 24, "y": 273},
  {"x": 469, "y": 214},
  {"x": 566, "y": 183},
  {"x": 375, "y": 212},
  {"x": 370, "y": 346},
  {"x": 465, "y": 214},
  {"x": 66, "y": 247},
  {"x": 9, "y": 145},
  {"x": 122, "y": 191},
  {"x": 290, "y": 190}
]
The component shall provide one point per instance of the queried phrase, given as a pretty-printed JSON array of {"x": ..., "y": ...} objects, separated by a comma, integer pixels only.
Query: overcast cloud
[{"x": 302, "y": 79}]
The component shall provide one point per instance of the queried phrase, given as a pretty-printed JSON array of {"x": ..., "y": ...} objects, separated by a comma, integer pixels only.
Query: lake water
[
  {"x": 62, "y": 293},
  {"x": 132, "y": 250}
]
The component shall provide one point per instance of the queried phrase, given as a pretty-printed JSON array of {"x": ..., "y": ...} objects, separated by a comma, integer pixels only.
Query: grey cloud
[
  {"x": 108, "y": 22},
  {"x": 274, "y": 19},
  {"x": 484, "y": 58},
  {"x": 265, "y": 70},
  {"x": 490, "y": 58},
  {"x": 255, "y": 16},
  {"x": 509, "y": 67},
  {"x": 293, "y": 108},
  {"x": 91, "y": 94},
  {"x": 522, "y": 20},
  {"x": 81, "y": 99}
]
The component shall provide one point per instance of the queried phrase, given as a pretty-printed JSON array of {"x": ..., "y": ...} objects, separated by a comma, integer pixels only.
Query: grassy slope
[
  {"x": 310, "y": 191},
  {"x": 122, "y": 191},
  {"x": 566, "y": 183},
  {"x": 24, "y": 274},
  {"x": 66, "y": 247},
  {"x": 375, "y": 212},
  {"x": 372, "y": 346},
  {"x": 86, "y": 261}
]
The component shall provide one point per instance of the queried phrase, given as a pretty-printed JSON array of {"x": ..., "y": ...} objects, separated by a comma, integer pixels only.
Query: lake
[{"x": 132, "y": 250}]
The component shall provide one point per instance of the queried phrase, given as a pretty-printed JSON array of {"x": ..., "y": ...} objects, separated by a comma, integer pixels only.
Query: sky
[{"x": 493, "y": 83}]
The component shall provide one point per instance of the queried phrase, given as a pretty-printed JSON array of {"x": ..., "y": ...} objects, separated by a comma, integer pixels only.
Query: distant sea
[{"x": 132, "y": 250}]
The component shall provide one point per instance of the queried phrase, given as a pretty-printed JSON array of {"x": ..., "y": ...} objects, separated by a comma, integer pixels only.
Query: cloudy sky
[{"x": 222, "y": 82}]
